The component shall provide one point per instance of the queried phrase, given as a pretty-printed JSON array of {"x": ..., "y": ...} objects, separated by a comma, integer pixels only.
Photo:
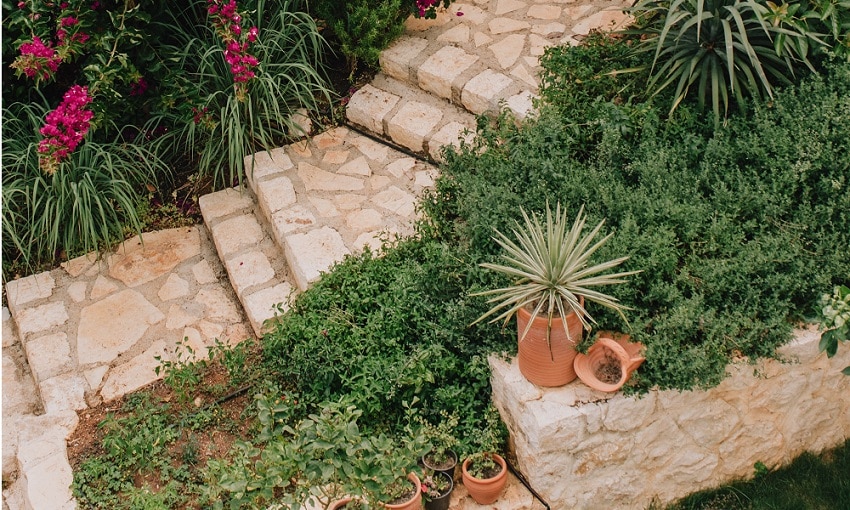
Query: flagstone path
[{"x": 89, "y": 331}]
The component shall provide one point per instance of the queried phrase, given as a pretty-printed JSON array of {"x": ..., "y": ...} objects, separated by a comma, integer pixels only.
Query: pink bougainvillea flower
[
  {"x": 64, "y": 129},
  {"x": 69, "y": 21},
  {"x": 37, "y": 60}
]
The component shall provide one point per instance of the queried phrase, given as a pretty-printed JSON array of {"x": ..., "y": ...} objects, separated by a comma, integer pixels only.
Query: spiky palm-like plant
[{"x": 551, "y": 265}]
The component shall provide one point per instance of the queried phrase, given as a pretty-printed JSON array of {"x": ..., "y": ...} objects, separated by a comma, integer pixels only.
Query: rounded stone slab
[
  {"x": 114, "y": 324},
  {"x": 144, "y": 259}
]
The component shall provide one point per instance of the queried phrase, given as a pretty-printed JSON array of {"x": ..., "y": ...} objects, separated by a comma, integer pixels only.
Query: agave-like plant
[
  {"x": 718, "y": 47},
  {"x": 550, "y": 263}
]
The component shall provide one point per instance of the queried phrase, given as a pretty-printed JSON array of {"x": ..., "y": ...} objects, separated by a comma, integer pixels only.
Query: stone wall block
[{"x": 629, "y": 413}]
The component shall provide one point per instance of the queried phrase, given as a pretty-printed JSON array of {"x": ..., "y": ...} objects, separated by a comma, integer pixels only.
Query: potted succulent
[
  {"x": 552, "y": 280},
  {"x": 441, "y": 457},
  {"x": 437, "y": 490}
]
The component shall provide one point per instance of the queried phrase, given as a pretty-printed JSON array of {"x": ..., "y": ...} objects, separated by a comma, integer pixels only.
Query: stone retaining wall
[{"x": 584, "y": 449}]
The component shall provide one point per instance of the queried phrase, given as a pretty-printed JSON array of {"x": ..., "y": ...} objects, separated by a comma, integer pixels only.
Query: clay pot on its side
[
  {"x": 536, "y": 362},
  {"x": 625, "y": 352},
  {"x": 486, "y": 491}
]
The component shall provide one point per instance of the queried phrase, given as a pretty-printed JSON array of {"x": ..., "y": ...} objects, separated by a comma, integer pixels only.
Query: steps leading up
[{"x": 307, "y": 206}]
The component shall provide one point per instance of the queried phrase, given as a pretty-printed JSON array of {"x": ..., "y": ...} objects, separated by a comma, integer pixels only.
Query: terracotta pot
[
  {"x": 414, "y": 503},
  {"x": 627, "y": 354},
  {"x": 536, "y": 362},
  {"x": 486, "y": 491},
  {"x": 336, "y": 505}
]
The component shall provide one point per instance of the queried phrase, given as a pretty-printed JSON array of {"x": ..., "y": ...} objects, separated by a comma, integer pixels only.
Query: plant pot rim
[
  {"x": 499, "y": 460},
  {"x": 412, "y": 478},
  {"x": 429, "y": 466},
  {"x": 588, "y": 377},
  {"x": 451, "y": 483}
]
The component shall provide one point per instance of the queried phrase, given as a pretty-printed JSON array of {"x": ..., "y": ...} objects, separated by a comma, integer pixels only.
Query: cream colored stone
[
  {"x": 379, "y": 182},
  {"x": 137, "y": 263},
  {"x": 265, "y": 163},
  {"x": 449, "y": 135},
  {"x": 425, "y": 178},
  {"x": 290, "y": 220},
  {"x": 421, "y": 24},
  {"x": 457, "y": 34},
  {"x": 204, "y": 273},
  {"x": 41, "y": 318},
  {"x": 324, "y": 207},
  {"x": 553, "y": 29},
  {"x": 336, "y": 157},
  {"x": 237, "y": 233},
  {"x": 64, "y": 392},
  {"x": 224, "y": 202},
  {"x": 210, "y": 331},
  {"x": 358, "y": 166},
  {"x": 76, "y": 267},
  {"x": 506, "y": 6},
  {"x": 396, "y": 200},
  {"x": 544, "y": 12},
  {"x": 248, "y": 270},
  {"x": 348, "y": 201},
  {"x": 370, "y": 148},
  {"x": 368, "y": 107},
  {"x": 472, "y": 15},
  {"x": 94, "y": 376},
  {"x": 363, "y": 220},
  {"x": 113, "y": 325},
  {"x": 331, "y": 138},
  {"x": 31, "y": 288},
  {"x": 413, "y": 122},
  {"x": 49, "y": 355},
  {"x": 401, "y": 166},
  {"x": 482, "y": 92},
  {"x": 263, "y": 305},
  {"x": 301, "y": 149},
  {"x": 132, "y": 375},
  {"x": 102, "y": 287},
  {"x": 77, "y": 291},
  {"x": 372, "y": 240},
  {"x": 301, "y": 123},
  {"x": 316, "y": 179},
  {"x": 538, "y": 45},
  {"x": 606, "y": 20},
  {"x": 522, "y": 73},
  {"x": 480, "y": 39},
  {"x": 217, "y": 305},
  {"x": 395, "y": 61},
  {"x": 504, "y": 25},
  {"x": 193, "y": 346},
  {"x": 577, "y": 12},
  {"x": 521, "y": 104},
  {"x": 173, "y": 288},
  {"x": 183, "y": 314},
  {"x": 508, "y": 50},
  {"x": 311, "y": 253},
  {"x": 438, "y": 72},
  {"x": 275, "y": 194},
  {"x": 45, "y": 475}
]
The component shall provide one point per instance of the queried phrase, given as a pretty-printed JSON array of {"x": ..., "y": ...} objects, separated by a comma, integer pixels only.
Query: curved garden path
[{"x": 87, "y": 332}]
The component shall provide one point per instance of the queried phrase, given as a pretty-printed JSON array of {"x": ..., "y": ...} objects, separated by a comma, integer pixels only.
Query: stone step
[
  {"x": 255, "y": 265},
  {"x": 306, "y": 207},
  {"x": 409, "y": 117},
  {"x": 478, "y": 56}
]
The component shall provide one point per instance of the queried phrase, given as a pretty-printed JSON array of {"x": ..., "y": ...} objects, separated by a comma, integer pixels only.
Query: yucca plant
[
  {"x": 551, "y": 264},
  {"x": 718, "y": 47}
]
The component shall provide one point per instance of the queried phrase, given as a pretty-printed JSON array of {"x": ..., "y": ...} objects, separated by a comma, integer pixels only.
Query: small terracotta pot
[
  {"x": 536, "y": 362},
  {"x": 336, "y": 505},
  {"x": 486, "y": 491},
  {"x": 414, "y": 503},
  {"x": 627, "y": 353}
]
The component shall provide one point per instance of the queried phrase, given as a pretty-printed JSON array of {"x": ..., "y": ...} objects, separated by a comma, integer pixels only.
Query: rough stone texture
[
  {"x": 142, "y": 259},
  {"x": 46, "y": 475},
  {"x": 260, "y": 306},
  {"x": 20, "y": 397},
  {"x": 438, "y": 72},
  {"x": 257, "y": 166},
  {"x": 312, "y": 252},
  {"x": 63, "y": 392},
  {"x": 368, "y": 107},
  {"x": 129, "y": 316},
  {"x": 173, "y": 288},
  {"x": 41, "y": 318},
  {"x": 134, "y": 374},
  {"x": 316, "y": 179},
  {"x": 247, "y": 270},
  {"x": 223, "y": 203},
  {"x": 603, "y": 20},
  {"x": 396, "y": 60},
  {"x": 584, "y": 449},
  {"x": 413, "y": 122},
  {"x": 479, "y": 93},
  {"x": 450, "y": 134},
  {"x": 49, "y": 355},
  {"x": 275, "y": 194},
  {"x": 22, "y": 291},
  {"x": 236, "y": 233}
]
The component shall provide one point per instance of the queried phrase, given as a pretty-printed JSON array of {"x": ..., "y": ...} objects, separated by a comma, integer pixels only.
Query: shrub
[{"x": 736, "y": 229}]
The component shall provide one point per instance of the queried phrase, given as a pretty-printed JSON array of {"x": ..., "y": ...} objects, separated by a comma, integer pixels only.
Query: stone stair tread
[
  {"x": 409, "y": 117},
  {"x": 255, "y": 266}
]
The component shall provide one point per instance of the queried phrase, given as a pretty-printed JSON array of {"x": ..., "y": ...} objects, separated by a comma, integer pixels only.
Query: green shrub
[
  {"x": 736, "y": 230},
  {"x": 363, "y": 27}
]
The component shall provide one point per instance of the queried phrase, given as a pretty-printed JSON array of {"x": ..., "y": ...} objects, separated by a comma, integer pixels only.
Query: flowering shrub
[
  {"x": 65, "y": 128},
  {"x": 228, "y": 25}
]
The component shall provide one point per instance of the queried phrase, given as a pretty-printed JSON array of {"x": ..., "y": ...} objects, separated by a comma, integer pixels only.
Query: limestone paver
[
  {"x": 369, "y": 107},
  {"x": 413, "y": 122},
  {"x": 146, "y": 258},
  {"x": 441, "y": 69}
]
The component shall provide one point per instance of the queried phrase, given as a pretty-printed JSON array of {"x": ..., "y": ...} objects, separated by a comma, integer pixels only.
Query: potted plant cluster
[
  {"x": 441, "y": 457},
  {"x": 553, "y": 278}
]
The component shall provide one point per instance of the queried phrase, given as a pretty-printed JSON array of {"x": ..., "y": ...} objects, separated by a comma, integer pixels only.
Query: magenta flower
[
  {"x": 69, "y": 21},
  {"x": 225, "y": 18},
  {"x": 139, "y": 87},
  {"x": 64, "y": 129},
  {"x": 37, "y": 60}
]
